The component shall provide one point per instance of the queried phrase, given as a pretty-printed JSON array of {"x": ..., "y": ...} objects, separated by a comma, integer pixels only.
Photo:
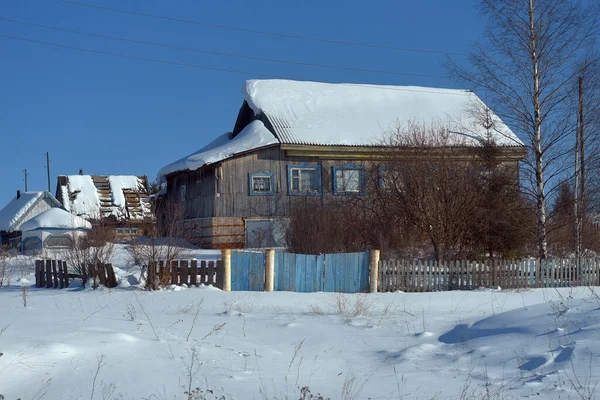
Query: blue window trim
[
  {"x": 362, "y": 183},
  {"x": 32, "y": 238},
  {"x": 251, "y": 191},
  {"x": 316, "y": 167}
]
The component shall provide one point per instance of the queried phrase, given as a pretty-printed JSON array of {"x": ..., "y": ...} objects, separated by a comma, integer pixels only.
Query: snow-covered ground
[{"x": 126, "y": 343}]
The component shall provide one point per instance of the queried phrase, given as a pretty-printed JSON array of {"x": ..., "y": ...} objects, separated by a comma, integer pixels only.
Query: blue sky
[{"x": 111, "y": 115}]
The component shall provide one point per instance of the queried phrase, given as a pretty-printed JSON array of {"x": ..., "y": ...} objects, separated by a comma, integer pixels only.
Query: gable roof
[
  {"x": 119, "y": 197},
  {"x": 314, "y": 113},
  {"x": 55, "y": 218},
  {"x": 13, "y": 214}
]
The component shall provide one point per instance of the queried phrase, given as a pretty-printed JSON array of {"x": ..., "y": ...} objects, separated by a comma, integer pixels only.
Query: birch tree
[{"x": 525, "y": 68}]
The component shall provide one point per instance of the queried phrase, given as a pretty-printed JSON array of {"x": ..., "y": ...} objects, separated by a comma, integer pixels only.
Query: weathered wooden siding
[
  {"x": 200, "y": 192},
  {"x": 223, "y": 190}
]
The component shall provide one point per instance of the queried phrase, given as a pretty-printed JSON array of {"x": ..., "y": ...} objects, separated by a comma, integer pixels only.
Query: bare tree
[
  {"x": 525, "y": 68},
  {"x": 425, "y": 182},
  {"x": 165, "y": 240}
]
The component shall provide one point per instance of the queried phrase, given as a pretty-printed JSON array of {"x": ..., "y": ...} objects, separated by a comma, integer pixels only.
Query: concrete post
[
  {"x": 269, "y": 270},
  {"x": 226, "y": 258},
  {"x": 373, "y": 271}
]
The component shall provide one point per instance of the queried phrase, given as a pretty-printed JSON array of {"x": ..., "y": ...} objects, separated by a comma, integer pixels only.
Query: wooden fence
[
  {"x": 188, "y": 272},
  {"x": 55, "y": 274},
  {"x": 51, "y": 274},
  {"x": 429, "y": 276}
]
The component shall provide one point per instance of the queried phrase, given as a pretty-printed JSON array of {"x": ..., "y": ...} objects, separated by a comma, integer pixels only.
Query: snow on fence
[
  {"x": 188, "y": 272},
  {"x": 432, "y": 276},
  {"x": 55, "y": 274}
]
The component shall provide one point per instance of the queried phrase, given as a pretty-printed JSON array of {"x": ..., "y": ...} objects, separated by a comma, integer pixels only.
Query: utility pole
[
  {"x": 48, "y": 169},
  {"x": 26, "y": 176}
]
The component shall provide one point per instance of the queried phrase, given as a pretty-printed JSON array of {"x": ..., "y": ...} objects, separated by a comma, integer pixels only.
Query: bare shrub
[
  {"x": 24, "y": 295},
  {"x": 85, "y": 254},
  {"x": 4, "y": 269}
]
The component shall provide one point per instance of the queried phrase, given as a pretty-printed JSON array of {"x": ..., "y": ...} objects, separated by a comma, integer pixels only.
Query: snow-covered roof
[
  {"x": 314, "y": 113},
  {"x": 56, "y": 218},
  {"x": 317, "y": 113},
  {"x": 255, "y": 135},
  {"x": 14, "y": 212},
  {"x": 122, "y": 197}
]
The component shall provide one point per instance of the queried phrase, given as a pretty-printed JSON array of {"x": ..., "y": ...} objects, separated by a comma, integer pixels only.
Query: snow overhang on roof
[
  {"x": 252, "y": 137},
  {"x": 55, "y": 218},
  {"x": 314, "y": 113}
]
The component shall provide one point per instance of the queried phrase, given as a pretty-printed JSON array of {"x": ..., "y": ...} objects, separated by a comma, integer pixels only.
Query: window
[
  {"x": 386, "y": 179},
  {"x": 349, "y": 179},
  {"x": 182, "y": 190},
  {"x": 261, "y": 184},
  {"x": 392, "y": 179},
  {"x": 58, "y": 241},
  {"x": 304, "y": 179}
]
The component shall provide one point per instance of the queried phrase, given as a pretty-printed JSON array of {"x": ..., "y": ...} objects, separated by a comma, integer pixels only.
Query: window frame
[
  {"x": 362, "y": 179},
  {"x": 182, "y": 192},
  {"x": 260, "y": 174},
  {"x": 304, "y": 166}
]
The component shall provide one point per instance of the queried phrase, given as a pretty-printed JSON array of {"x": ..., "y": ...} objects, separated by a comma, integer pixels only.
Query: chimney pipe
[{"x": 18, "y": 194}]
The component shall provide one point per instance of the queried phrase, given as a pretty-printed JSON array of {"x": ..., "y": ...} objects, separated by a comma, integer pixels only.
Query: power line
[
  {"x": 258, "y": 32},
  {"x": 218, "y": 52},
  {"x": 233, "y": 71}
]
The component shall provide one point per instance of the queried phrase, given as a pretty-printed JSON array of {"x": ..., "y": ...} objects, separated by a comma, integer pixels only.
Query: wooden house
[
  {"x": 120, "y": 201},
  {"x": 295, "y": 139}
]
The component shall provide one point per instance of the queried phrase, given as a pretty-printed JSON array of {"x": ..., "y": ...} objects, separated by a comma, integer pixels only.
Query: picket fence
[{"x": 432, "y": 276}]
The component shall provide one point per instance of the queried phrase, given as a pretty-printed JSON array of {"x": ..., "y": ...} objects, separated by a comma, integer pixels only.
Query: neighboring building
[
  {"x": 53, "y": 229},
  {"x": 120, "y": 201},
  {"x": 295, "y": 139},
  {"x": 21, "y": 209}
]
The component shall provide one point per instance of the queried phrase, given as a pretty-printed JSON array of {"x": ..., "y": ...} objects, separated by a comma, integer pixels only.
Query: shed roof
[
  {"x": 252, "y": 137},
  {"x": 55, "y": 218}
]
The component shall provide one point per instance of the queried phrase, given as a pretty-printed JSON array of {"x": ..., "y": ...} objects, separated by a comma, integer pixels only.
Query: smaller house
[
  {"x": 21, "y": 209},
  {"x": 53, "y": 229},
  {"x": 116, "y": 200}
]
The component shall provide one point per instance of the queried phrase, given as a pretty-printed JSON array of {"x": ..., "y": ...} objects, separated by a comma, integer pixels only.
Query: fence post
[
  {"x": 269, "y": 270},
  {"x": 226, "y": 258},
  {"x": 38, "y": 274},
  {"x": 373, "y": 271},
  {"x": 66, "y": 272}
]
